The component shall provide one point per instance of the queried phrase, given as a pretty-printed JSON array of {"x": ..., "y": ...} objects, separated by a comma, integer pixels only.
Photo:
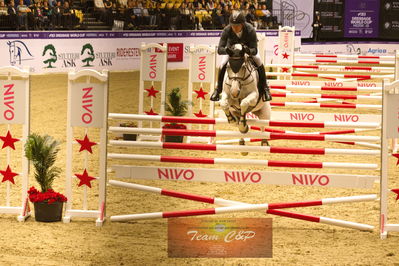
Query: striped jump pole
[
  {"x": 175, "y": 194},
  {"x": 330, "y": 76},
  {"x": 270, "y": 123},
  {"x": 336, "y": 132},
  {"x": 327, "y": 105},
  {"x": 222, "y": 133},
  {"x": 339, "y": 68},
  {"x": 241, "y": 148},
  {"x": 344, "y": 61},
  {"x": 326, "y": 96},
  {"x": 224, "y": 202},
  {"x": 380, "y": 57},
  {"x": 357, "y": 143},
  {"x": 323, "y": 220},
  {"x": 270, "y": 208},
  {"x": 269, "y": 163},
  {"x": 326, "y": 88}
]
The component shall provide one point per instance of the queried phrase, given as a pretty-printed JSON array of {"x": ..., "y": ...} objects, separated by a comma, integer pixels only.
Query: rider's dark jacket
[{"x": 248, "y": 38}]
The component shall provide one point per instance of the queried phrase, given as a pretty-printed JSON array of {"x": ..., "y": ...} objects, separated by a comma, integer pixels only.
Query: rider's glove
[
  {"x": 246, "y": 49},
  {"x": 229, "y": 51}
]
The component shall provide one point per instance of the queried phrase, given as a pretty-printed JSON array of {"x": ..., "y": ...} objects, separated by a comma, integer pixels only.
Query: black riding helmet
[{"x": 237, "y": 18}]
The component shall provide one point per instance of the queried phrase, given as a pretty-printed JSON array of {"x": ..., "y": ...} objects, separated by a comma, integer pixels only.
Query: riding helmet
[{"x": 237, "y": 18}]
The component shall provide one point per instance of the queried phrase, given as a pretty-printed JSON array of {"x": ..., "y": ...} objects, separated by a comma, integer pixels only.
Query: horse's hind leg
[{"x": 264, "y": 114}]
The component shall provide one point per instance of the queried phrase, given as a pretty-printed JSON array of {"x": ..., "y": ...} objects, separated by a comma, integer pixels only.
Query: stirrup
[
  {"x": 266, "y": 96},
  {"x": 215, "y": 96}
]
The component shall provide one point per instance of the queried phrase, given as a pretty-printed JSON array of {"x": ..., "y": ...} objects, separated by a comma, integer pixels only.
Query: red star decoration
[
  {"x": 201, "y": 93},
  {"x": 285, "y": 55},
  {"x": 8, "y": 175},
  {"x": 85, "y": 144},
  {"x": 152, "y": 92},
  {"x": 8, "y": 141},
  {"x": 199, "y": 114},
  {"x": 151, "y": 112},
  {"x": 285, "y": 69},
  {"x": 396, "y": 190},
  {"x": 397, "y": 156},
  {"x": 85, "y": 179}
]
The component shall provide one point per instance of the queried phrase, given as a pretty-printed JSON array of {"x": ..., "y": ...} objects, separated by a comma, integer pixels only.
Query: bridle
[{"x": 248, "y": 70}]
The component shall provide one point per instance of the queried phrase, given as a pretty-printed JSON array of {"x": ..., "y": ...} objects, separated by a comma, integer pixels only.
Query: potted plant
[
  {"x": 175, "y": 106},
  {"x": 42, "y": 152},
  {"x": 127, "y": 136}
]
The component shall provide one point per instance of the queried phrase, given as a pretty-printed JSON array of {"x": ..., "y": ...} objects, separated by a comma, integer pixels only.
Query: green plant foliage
[
  {"x": 174, "y": 105},
  {"x": 42, "y": 152}
]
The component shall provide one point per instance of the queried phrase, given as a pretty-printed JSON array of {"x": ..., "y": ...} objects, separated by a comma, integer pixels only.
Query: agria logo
[
  {"x": 50, "y": 55},
  {"x": 87, "y": 55},
  {"x": 18, "y": 52}
]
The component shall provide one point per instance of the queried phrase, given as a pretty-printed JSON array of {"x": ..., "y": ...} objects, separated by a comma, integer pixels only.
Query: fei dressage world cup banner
[
  {"x": 361, "y": 19},
  {"x": 48, "y": 51}
]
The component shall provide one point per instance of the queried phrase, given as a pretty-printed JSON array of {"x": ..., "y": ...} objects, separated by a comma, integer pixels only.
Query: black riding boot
[
  {"x": 218, "y": 90},
  {"x": 263, "y": 88}
]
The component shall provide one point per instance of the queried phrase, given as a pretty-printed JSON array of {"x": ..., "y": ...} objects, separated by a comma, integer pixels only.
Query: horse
[{"x": 240, "y": 90}]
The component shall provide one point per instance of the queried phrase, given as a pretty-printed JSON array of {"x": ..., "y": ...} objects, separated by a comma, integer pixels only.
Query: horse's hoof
[
  {"x": 244, "y": 129},
  {"x": 242, "y": 142},
  {"x": 264, "y": 142}
]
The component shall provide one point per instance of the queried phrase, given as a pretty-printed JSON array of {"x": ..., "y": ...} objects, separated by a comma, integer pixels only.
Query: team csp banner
[
  {"x": 116, "y": 51},
  {"x": 361, "y": 18}
]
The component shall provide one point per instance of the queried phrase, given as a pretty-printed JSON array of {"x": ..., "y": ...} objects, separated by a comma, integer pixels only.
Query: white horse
[{"x": 240, "y": 90}]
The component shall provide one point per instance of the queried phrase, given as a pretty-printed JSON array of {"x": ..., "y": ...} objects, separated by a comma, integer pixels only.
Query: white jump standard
[{"x": 15, "y": 108}]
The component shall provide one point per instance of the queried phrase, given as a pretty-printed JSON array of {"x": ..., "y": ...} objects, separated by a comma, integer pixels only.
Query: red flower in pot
[
  {"x": 42, "y": 152},
  {"x": 175, "y": 106}
]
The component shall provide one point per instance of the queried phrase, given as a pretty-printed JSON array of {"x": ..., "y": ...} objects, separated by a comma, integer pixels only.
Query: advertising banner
[
  {"x": 220, "y": 238},
  {"x": 87, "y": 109},
  {"x": 299, "y": 12},
  {"x": 12, "y": 102},
  {"x": 354, "y": 48},
  {"x": 116, "y": 51},
  {"x": 331, "y": 15},
  {"x": 202, "y": 70},
  {"x": 361, "y": 19},
  {"x": 389, "y": 19}
]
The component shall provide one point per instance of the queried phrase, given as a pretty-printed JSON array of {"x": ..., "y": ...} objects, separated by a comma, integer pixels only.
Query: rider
[{"x": 239, "y": 31}]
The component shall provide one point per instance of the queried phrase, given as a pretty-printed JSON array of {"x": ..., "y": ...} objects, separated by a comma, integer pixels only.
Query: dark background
[{"x": 332, "y": 17}]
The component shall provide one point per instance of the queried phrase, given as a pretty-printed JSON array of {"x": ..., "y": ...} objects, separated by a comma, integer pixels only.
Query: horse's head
[
  {"x": 13, "y": 51},
  {"x": 237, "y": 66},
  {"x": 236, "y": 57}
]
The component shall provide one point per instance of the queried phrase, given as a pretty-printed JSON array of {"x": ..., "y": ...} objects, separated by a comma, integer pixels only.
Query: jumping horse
[{"x": 240, "y": 90}]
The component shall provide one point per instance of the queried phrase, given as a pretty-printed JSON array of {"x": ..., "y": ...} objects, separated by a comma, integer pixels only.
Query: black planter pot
[
  {"x": 130, "y": 137},
  {"x": 178, "y": 139},
  {"x": 45, "y": 212}
]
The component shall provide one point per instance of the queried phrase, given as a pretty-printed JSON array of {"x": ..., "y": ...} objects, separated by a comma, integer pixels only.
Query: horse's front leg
[
  {"x": 224, "y": 104},
  {"x": 247, "y": 102}
]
